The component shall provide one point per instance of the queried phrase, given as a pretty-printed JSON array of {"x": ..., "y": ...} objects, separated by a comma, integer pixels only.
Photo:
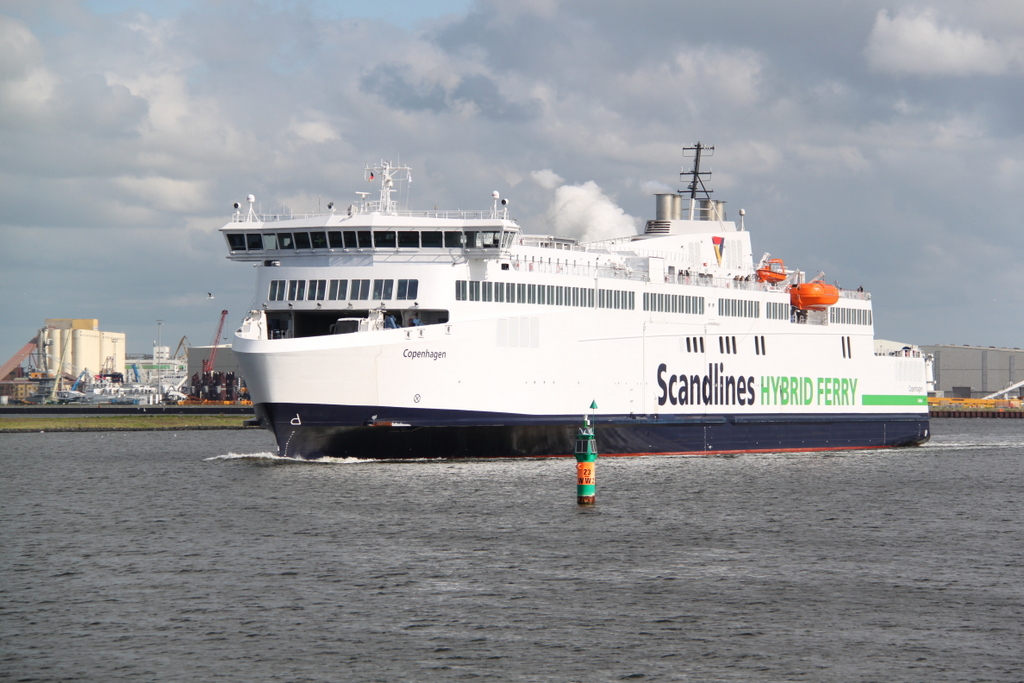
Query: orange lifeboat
[
  {"x": 773, "y": 271},
  {"x": 813, "y": 296}
]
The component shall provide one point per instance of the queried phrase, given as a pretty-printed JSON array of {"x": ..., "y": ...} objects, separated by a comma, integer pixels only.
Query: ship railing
[
  {"x": 273, "y": 217},
  {"x": 614, "y": 271},
  {"x": 550, "y": 242},
  {"x": 620, "y": 273},
  {"x": 372, "y": 207},
  {"x": 901, "y": 353},
  {"x": 855, "y": 294},
  {"x": 610, "y": 244}
]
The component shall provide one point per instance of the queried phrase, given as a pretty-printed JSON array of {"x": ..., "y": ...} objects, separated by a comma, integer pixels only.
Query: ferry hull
[{"x": 316, "y": 431}]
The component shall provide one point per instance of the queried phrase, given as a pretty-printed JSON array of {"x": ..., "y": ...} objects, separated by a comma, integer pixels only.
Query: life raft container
[{"x": 813, "y": 296}]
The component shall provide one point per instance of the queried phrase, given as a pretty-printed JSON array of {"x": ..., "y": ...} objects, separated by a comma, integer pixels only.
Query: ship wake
[{"x": 268, "y": 458}]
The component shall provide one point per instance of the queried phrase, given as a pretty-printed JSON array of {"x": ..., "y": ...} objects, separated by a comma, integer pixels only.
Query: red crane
[{"x": 208, "y": 363}]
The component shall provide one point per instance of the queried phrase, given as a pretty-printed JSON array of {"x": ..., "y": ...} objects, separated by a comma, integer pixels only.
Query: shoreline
[{"x": 121, "y": 423}]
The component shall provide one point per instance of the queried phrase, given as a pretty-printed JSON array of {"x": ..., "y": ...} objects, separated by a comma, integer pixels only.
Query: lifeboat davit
[
  {"x": 773, "y": 271},
  {"x": 813, "y": 296}
]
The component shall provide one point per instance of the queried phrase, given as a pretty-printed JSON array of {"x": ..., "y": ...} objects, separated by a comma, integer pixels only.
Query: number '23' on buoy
[{"x": 586, "y": 457}]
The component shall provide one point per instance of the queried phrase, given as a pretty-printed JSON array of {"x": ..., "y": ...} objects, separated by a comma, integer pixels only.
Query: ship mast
[
  {"x": 388, "y": 175},
  {"x": 696, "y": 173}
]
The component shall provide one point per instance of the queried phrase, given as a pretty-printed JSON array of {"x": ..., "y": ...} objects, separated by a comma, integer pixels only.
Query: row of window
[
  {"x": 558, "y": 295},
  {"x": 739, "y": 308},
  {"x": 338, "y": 290},
  {"x": 613, "y": 298},
  {"x": 674, "y": 303},
  {"x": 776, "y": 311},
  {"x": 727, "y": 345},
  {"x": 368, "y": 239},
  {"x": 511, "y": 292},
  {"x": 759, "y": 345},
  {"x": 695, "y": 347},
  {"x": 849, "y": 316},
  {"x": 847, "y": 350}
]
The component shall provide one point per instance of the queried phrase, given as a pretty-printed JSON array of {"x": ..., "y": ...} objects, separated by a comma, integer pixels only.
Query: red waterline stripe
[{"x": 758, "y": 450}]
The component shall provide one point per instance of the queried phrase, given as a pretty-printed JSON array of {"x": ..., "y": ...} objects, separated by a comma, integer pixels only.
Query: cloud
[
  {"x": 26, "y": 85},
  {"x": 116, "y": 124},
  {"x": 314, "y": 131},
  {"x": 913, "y": 43},
  {"x": 400, "y": 86},
  {"x": 165, "y": 194},
  {"x": 547, "y": 178}
]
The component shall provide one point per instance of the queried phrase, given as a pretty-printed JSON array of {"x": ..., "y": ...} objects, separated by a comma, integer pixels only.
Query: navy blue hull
[{"x": 315, "y": 431}]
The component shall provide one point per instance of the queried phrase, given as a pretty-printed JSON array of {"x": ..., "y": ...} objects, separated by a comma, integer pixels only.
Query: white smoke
[{"x": 584, "y": 211}]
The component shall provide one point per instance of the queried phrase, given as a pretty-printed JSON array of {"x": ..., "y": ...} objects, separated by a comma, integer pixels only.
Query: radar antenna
[{"x": 696, "y": 182}]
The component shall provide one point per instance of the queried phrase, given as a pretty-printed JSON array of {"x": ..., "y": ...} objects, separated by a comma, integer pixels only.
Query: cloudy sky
[{"x": 881, "y": 142}]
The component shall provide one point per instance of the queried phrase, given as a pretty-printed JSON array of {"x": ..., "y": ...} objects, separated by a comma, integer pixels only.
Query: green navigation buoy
[{"x": 586, "y": 457}]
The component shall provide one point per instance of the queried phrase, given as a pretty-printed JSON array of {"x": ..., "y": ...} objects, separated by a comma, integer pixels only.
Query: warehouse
[{"x": 976, "y": 371}]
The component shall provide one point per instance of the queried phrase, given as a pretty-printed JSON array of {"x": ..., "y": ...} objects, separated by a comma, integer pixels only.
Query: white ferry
[{"x": 387, "y": 333}]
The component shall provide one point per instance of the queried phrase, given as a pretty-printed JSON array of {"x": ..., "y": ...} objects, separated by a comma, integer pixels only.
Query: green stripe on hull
[{"x": 893, "y": 400}]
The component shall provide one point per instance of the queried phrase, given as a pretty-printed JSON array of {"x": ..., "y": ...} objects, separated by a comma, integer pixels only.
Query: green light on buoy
[{"x": 586, "y": 456}]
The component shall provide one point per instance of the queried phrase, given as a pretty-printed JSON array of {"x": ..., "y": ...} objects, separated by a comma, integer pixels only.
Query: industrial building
[
  {"x": 976, "y": 371},
  {"x": 71, "y": 346},
  {"x": 68, "y": 348}
]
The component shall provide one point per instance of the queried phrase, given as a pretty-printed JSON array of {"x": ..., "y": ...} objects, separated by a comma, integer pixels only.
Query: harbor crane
[
  {"x": 208, "y": 363},
  {"x": 21, "y": 355}
]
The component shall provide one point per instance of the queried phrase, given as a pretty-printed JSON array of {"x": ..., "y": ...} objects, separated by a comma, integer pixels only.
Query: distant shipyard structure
[
  {"x": 977, "y": 371},
  {"x": 65, "y": 349},
  {"x": 70, "y": 360}
]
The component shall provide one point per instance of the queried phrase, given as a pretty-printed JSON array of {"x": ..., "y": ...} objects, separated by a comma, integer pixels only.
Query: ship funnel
[
  {"x": 668, "y": 207},
  {"x": 712, "y": 210}
]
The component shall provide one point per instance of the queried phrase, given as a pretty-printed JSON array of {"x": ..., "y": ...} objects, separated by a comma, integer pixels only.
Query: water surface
[{"x": 199, "y": 556}]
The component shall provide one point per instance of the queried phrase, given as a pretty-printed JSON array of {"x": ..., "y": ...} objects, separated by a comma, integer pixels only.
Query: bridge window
[
  {"x": 302, "y": 240},
  {"x": 269, "y": 240},
  {"x": 277, "y": 290},
  {"x": 254, "y": 240},
  {"x": 408, "y": 289},
  {"x": 360, "y": 290},
  {"x": 338, "y": 290},
  {"x": 364, "y": 239},
  {"x": 285, "y": 241},
  {"x": 317, "y": 289},
  {"x": 382, "y": 289},
  {"x": 483, "y": 239},
  {"x": 335, "y": 240},
  {"x": 318, "y": 240},
  {"x": 432, "y": 240},
  {"x": 409, "y": 239},
  {"x": 453, "y": 240},
  {"x": 296, "y": 290},
  {"x": 383, "y": 239}
]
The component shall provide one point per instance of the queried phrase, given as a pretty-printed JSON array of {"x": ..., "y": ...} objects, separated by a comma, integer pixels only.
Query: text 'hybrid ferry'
[{"x": 388, "y": 333}]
